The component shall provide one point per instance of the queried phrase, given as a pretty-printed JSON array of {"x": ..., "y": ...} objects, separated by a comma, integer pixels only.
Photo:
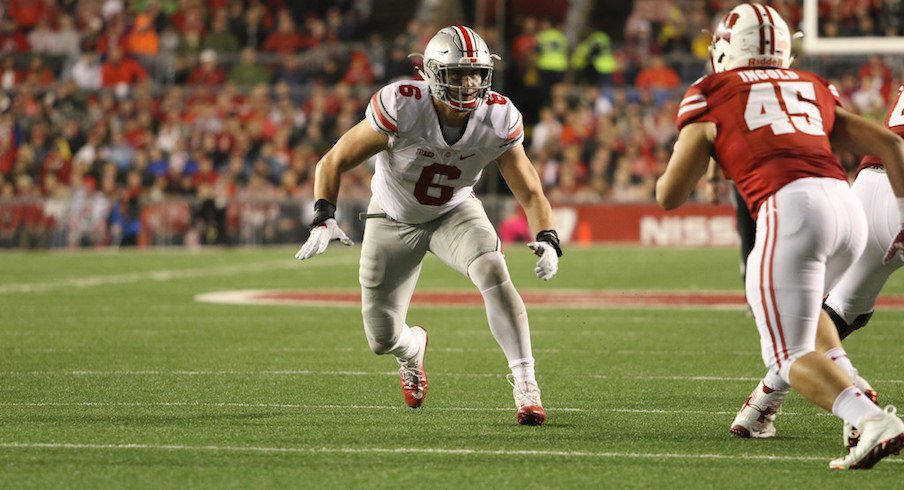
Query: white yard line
[
  {"x": 350, "y": 407},
  {"x": 168, "y": 275},
  {"x": 305, "y": 372},
  {"x": 416, "y": 450}
]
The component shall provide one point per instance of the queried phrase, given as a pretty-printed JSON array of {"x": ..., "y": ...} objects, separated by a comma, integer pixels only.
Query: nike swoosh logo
[{"x": 463, "y": 157}]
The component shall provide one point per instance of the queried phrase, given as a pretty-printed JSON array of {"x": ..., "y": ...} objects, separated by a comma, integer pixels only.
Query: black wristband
[
  {"x": 552, "y": 238},
  {"x": 323, "y": 210}
]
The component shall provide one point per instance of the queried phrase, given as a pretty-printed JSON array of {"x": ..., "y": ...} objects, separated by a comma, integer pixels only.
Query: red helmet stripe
[
  {"x": 771, "y": 30},
  {"x": 466, "y": 41},
  {"x": 759, "y": 18}
]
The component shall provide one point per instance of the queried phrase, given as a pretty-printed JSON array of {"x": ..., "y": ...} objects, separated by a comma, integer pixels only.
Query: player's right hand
[
  {"x": 321, "y": 237},
  {"x": 896, "y": 248}
]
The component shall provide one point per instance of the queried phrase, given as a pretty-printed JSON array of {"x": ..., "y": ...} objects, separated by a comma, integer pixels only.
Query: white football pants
[
  {"x": 391, "y": 257},
  {"x": 808, "y": 233},
  {"x": 856, "y": 292}
]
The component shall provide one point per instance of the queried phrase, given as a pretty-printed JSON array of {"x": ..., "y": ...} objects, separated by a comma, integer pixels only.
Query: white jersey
[{"x": 420, "y": 177}]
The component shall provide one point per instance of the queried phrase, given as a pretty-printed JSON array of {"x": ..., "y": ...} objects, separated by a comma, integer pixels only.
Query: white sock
[
  {"x": 775, "y": 382},
  {"x": 506, "y": 313},
  {"x": 406, "y": 347},
  {"x": 841, "y": 359},
  {"x": 853, "y": 406},
  {"x": 523, "y": 370}
]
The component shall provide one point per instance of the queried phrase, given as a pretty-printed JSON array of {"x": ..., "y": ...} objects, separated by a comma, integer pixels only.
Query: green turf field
[{"x": 113, "y": 376}]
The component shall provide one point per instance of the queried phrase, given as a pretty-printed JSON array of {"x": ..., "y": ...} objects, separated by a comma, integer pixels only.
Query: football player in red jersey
[
  {"x": 851, "y": 302},
  {"x": 769, "y": 128},
  {"x": 432, "y": 139}
]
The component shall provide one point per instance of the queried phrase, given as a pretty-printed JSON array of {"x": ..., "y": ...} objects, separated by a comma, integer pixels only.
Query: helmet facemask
[{"x": 457, "y": 85}]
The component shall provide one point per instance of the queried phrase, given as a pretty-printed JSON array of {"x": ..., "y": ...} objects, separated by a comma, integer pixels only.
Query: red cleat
[{"x": 412, "y": 376}]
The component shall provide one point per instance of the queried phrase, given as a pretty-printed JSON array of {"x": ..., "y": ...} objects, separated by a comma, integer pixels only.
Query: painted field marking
[
  {"x": 352, "y": 407},
  {"x": 534, "y": 298},
  {"x": 305, "y": 372},
  {"x": 165, "y": 275},
  {"x": 416, "y": 450}
]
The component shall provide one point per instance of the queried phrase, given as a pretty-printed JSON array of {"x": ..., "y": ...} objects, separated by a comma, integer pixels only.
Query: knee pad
[
  {"x": 382, "y": 325},
  {"x": 844, "y": 328},
  {"x": 488, "y": 271}
]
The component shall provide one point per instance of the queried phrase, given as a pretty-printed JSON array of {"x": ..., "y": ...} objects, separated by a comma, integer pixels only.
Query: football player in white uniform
[{"x": 433, "y": 139}]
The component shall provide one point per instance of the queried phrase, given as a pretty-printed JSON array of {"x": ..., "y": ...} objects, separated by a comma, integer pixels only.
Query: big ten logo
[
  {"x": 689, "y": 231},
  {"x": 422, "y": 152}
]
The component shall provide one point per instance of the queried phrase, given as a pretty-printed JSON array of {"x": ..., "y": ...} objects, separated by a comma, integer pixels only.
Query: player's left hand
[
  {"x": 548, "y": 264},
  {"x": 896, "y": 248},
  {"x": 321, "y": 237},
  {"x": 547, "y": 248}
]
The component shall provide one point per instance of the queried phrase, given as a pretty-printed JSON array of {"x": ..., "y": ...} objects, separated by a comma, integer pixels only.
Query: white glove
[
  {"x": 320, "y": 239},
  {"x": 548, "y": 264}
]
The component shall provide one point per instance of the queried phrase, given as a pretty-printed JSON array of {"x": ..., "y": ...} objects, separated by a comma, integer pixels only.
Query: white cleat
[
  {"x": 527, "y": 399},
  {"x": 755, "y": 418},
  {"x": 880, "y": 436}
]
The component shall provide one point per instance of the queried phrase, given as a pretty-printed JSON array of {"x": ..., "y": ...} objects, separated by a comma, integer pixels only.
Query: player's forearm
[
  {"x": 538, "y": 212},
  {"x": 327, "y": 176},
  {"x": 893, "y": 159}
]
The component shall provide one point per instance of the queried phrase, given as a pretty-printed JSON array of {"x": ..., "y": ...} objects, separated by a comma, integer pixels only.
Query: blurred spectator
[
  {"x": 87, "y": 72},
  {"x": 142, "y": 40},
  {"x": 9, "y": 75},
  {"x": 552, "y": 55},
  {"x": 286, "y": 40},
  {"x": 122, "y": 70},
  {"x": 547, "y": 132},
  {"x": 41, "y": 38},
  {"x": 28, "y": 13},
  {"x": 37, "y": 74},
  {"x": 220, "y": 38},
  {"x": 376, "y": 54},
  {"x": 291, "y": 72},
  {"x": 868, "y": 100},
  {"x": 593, "y": 58},
  {"x": 880, "y": 75},
  {"x": 399, "y": 66},
  {"x": 359, "y": 71},
  {"x": 12, "y": 40},
  {"x": 250, "y": 24},
  {"x": 247, "y": 72},
  {"x": 208, "y": 72},
  {"x": 339, "y": 26},
  {"x": 656, "y": 75}
]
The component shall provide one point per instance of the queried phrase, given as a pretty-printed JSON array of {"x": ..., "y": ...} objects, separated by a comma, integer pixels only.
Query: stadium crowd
[{"x": 200, "y": 121}]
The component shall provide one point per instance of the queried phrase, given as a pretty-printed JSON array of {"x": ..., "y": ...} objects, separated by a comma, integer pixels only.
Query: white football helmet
[
  {"x": 457, "y": 48},
  {"x": 751, "y": 35}
]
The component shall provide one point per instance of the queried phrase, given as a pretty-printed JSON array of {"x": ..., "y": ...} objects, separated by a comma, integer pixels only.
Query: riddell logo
[{"x": 763, "y": 62}]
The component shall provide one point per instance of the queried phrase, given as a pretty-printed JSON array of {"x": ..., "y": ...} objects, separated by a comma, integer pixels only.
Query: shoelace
[
  {"x": 526, "y": 394},
  {"x": 412, "y": 375}
]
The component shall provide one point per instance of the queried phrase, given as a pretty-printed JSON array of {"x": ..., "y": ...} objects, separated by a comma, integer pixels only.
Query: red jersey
[
  {"x": 772, "y": 127},
  {"x": 893, "y": 121}
]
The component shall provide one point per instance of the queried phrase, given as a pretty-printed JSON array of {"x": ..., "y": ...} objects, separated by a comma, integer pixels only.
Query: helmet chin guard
[
  {"x": 454, "y": 54},
  {"x": 752, "y": 35}
]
